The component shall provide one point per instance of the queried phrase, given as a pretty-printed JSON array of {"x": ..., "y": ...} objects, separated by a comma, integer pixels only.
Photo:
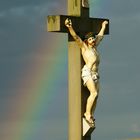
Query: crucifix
[{"x": 78, "y": 12}]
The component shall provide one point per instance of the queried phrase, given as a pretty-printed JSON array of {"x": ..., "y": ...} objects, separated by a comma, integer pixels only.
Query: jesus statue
[{"x": 89, "y": 73}]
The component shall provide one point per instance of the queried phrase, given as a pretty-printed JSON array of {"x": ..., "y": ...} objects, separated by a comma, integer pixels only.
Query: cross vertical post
[{"x": 78, "y": 12}]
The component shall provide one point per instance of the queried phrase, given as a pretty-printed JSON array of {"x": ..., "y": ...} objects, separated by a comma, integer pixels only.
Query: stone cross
[{"x": 78, "y": 12}]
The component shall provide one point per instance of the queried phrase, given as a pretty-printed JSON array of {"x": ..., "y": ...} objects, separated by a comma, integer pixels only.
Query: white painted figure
[{"x": 91, "y": 58}]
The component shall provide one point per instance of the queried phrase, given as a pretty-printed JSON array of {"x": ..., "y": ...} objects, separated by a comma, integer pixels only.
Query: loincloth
[{"x": 87, "y": 74}]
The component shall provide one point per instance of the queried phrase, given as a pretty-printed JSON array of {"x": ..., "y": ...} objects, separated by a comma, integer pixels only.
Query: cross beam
[
  {"x": 78, "y": 12},
  {"x": 81, "y": 25}
]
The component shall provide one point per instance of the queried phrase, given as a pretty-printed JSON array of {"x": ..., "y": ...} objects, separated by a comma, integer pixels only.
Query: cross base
[{"x": 87, "y": 128}]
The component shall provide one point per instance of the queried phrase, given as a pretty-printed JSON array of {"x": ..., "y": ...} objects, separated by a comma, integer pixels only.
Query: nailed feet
[{"x": 89, "y": 119}]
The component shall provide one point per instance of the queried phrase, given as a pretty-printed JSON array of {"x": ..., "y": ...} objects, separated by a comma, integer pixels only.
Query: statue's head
[{"x": 89, "y": 38}]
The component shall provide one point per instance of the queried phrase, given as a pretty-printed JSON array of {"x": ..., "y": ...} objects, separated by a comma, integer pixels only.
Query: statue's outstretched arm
[
  {"x": 68, "y": 24},
  {"x": 101, "y": 33}
]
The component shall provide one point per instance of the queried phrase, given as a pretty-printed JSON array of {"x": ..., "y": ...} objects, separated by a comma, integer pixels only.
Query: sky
[{"x": 33, "y": 71}]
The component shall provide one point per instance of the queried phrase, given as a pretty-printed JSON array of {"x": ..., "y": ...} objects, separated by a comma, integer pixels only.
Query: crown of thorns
[{"x": 88, "y": 35}]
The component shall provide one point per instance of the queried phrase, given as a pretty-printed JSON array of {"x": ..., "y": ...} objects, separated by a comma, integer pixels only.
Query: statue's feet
[{"x": 89, "y": 119}]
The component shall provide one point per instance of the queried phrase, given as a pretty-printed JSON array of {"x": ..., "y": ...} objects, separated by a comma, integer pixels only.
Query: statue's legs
[
  {"x": 95, "y": 102},
  {"x": 92, "y": 99}
]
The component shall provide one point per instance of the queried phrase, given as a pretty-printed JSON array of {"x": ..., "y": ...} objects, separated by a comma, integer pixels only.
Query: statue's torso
[{"x": 91, "y": 58}]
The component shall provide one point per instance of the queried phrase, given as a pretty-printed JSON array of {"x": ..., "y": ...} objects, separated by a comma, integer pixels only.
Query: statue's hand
[
  {"x": 68, "y": 23},
  {"x": 105, "y": 23}
]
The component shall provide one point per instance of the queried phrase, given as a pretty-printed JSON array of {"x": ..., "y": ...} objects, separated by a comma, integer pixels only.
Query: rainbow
[{"x": 38, "y": 87}]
